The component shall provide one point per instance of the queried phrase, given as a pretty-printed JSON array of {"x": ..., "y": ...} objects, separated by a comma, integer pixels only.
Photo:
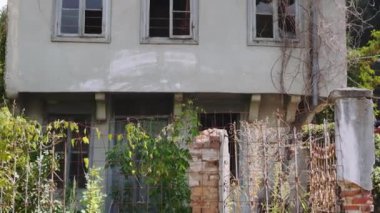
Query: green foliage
[
  {"x": 71, "y": 198},
  {"x": 318, "y": 130},
  {"x": 93, "y": 198},
  {"x": 160, "y": 161},
  {"x": 25, "y": 164},
  {"x": 376, "y": 172},
  {"x": 360, "y": 60}
]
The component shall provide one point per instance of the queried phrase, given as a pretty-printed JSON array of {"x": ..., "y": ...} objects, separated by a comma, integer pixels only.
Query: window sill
[
  {"x": 294, "y": 43},
  {"x": 81, "y": 39},
  {"x": 158, "y": 40}
]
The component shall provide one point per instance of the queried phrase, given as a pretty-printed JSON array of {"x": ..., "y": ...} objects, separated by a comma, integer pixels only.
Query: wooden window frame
[
  {"x": 82, "y": 36},
  {"x": 192, "y": 38},
  {"x": 276, "y": 40}
]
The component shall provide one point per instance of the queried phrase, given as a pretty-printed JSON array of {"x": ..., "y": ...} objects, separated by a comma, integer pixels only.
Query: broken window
[
  {"x": 287, "y": 18},
  {"x": 81, "y": 18},
  {"x": 264, "y": 19},
  {"x": 273, "y": 19},
  {"x": 169, "y": 19}
]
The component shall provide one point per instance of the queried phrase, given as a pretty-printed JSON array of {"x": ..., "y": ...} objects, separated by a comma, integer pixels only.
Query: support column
[
  {"x": 254, "y": 107},
  {"x": 291, "y": 108},
  {"x": 178, "y": 101},
  {"x": 355, "y": 147},
  {"x": 100, "y": 144},
  {"x": 101, "y": 110}
]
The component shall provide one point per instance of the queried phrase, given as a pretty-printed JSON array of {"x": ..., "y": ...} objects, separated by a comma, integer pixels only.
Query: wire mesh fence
[
  {"x": 284, "y": 170},
  {"x": 272, "y": 169}
]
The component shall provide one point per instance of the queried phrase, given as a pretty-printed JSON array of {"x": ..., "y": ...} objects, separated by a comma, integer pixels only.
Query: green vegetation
[
  {"x": 25, "y": 164},
  {"x": 161, "y": 161},
  {"x": 376, "y": 174},
  {"x": 93, "y": 197},
  {"x": 360, "y": 72},
  {"x": 28, "y": 164}
]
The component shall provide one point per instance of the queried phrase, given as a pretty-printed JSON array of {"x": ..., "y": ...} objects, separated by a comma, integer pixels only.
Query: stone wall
[{"x": 204, "y": 172}]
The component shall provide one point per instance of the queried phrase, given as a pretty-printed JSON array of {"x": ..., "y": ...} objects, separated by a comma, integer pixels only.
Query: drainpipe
[{"x": 314, "y": 53}]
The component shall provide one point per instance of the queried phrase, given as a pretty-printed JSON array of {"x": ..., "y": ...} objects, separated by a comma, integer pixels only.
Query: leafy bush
[
  {"x": 26, "y": 165},
  {"x": 160, "y": 161}
]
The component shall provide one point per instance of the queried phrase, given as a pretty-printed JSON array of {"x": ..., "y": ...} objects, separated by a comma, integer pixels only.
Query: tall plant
[
  {"x": 93, "y": 197},
  {"x": 161, "y": 161},
  {"x": 26, "y": 165}
]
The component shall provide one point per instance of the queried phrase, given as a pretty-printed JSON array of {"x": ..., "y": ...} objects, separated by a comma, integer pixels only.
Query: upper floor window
[
  {"x": 169, "y": 21},
  {"x": 273, "y": 20},
  {"x": 82, "y": 20}
]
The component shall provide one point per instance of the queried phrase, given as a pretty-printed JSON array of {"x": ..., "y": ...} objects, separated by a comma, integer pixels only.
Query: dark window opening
[
  {"x": 264, "y": 19},
  {"x": 159, "y": 18},
  {"x": 93, "y": 17},
  {"x": 93, "y": 22},
  {"x": 164, "y": 24},
  {"x": 224, "y": 121},
  {"x": 264, "y": 26},
  {"x": 181, "y": 17}
]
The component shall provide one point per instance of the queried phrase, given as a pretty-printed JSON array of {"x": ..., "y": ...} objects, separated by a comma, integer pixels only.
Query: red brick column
[
  {"x": 356, "y": 199},
  {"x": 204, "y": 172}
]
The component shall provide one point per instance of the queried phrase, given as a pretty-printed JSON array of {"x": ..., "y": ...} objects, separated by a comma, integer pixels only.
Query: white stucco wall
[{"x": 221, "y": 62}]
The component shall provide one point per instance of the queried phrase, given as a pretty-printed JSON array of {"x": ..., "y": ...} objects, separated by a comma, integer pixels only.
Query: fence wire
[
  {"x": 273, "y": 169},
  {"x": 284, "y": 170}
]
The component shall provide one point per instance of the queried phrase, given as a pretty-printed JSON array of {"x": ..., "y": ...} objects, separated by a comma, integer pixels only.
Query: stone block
[
  {"x": 194, "y": 179},
  {"x": 197, "y": 191},
  {"x": 210, "y": 155},
  {"x": 211, "y": 166},
  {"x": 196, "y": 166}
]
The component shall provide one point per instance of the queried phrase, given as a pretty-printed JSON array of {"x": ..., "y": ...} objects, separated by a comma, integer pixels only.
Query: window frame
[
  {"x": 172, "y": 39},
  {"x": 104, "y": 37},
  {"x": 276, "y": 40}
]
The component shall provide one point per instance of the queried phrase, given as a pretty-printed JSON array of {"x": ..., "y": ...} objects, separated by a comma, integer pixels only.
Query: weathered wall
[
  {"x": 354, "y": 138},
  {"x": 221, "y": 62}
]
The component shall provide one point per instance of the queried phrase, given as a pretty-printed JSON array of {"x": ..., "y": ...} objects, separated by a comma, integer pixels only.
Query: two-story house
[{"x": 100, "y": 62}]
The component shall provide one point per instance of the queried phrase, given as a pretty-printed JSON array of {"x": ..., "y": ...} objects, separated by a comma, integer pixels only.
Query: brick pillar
[
  {"x": 354, "y": 120},
  {"x": 356, "y": 199},
  {"x": 204, "y": 172}
]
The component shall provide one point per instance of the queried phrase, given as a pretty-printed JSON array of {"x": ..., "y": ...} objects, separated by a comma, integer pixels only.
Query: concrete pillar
[
  {"x": 291, "y": 108},
  {"x": 354, "y": 138},
  {"x": 254, "y": 107},
  {"x": 100, "y": 144},
  {"x": 101, "y": 110},
  {"x": 178, "y": 101}
]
